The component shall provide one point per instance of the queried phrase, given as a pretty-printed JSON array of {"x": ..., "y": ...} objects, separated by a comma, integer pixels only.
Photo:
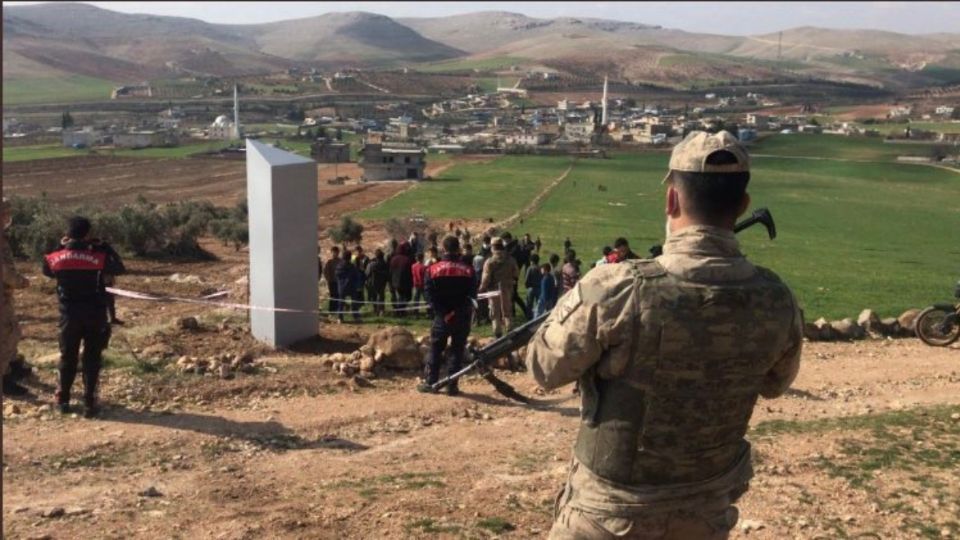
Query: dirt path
[
  {"x": 301, "y": 455},
  {"x": 534, "y": 204}
]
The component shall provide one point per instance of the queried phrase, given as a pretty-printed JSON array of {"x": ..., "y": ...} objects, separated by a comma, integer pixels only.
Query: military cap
[{"x": 690, "y": 155}]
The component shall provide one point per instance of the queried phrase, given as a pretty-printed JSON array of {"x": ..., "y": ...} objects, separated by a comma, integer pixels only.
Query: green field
[
  {"x": 68, "y": 89},
  {"x": 494, "y": 190},
  {"x": 851, "y": 235},
  {"x": 175, "y": 152},
  {"x": 837, "y": 147},
  {"x": 937, "y": 127},
  {"x": 39, "y": 151},
  {"x": 482, "y": 64}
]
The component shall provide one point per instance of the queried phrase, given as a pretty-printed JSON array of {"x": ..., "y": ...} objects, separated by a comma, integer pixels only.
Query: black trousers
[
  {"x": 404, "y": 295},
  {"x": 377, "y": 294},
  {"x": 334, "y": 290},
  {"x": 455, "y": 331},
  {"x": 90, "y": 328}
]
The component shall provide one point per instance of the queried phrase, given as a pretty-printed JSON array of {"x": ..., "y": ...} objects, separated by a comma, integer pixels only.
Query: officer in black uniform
[
  {"x": 81, "y": 266},
  {"x": 451, "y": 290}
]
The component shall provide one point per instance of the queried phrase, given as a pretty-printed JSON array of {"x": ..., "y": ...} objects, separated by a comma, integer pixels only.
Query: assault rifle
[{"x": 481, "y": 358}]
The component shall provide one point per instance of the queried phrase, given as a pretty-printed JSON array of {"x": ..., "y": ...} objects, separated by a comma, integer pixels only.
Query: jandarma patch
[{"x": 571, "y": 302}]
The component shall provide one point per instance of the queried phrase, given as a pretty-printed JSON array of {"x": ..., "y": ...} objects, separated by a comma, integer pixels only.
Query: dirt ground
[
  {"x": 865, "y": 445},
  {"x": 295, "y": 451}
]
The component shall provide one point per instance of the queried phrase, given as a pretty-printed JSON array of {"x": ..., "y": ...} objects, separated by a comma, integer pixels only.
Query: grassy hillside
[
  {"x": 476, "y": 190},
  {"x": 851, "y": 235},
  {"x": 19, "y": 91},
  {"x": 837, "y": 147}
]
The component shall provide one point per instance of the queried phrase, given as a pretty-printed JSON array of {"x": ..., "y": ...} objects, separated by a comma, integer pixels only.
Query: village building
[
  {"x": 328, "y": 151},
  {"x": 83, "y": 138},
  {"x": 391, "y": 163},
  {"x": 146, "y": 139},
  {"x": 527, "y": 139},
  {"x": 579, "y": 132},
  {"x": 757, "y": 119}
]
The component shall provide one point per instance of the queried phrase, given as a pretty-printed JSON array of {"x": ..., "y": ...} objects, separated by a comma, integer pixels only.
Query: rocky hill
[{"x": 60, "y": 39}]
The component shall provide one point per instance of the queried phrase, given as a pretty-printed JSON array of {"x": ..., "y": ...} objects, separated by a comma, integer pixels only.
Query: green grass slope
[
  {"x": 73, "y": 88},
  {"x": 851, "y": 235},
  {"x": 494, "y": 190}
]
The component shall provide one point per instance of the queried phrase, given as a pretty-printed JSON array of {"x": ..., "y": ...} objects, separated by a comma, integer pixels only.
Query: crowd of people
[{"x": 393, "y": 279}]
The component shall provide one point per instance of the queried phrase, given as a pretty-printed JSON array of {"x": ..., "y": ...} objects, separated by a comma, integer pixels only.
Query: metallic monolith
[{"x": 282, "y": 202}]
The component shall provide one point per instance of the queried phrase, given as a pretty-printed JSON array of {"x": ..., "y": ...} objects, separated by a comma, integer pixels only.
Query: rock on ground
[{"x": 396, "y": 347}]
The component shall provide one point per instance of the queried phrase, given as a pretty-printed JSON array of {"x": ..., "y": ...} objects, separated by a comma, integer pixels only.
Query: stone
[
  {"x": 150, "y": 492},
  {"x": 889, "y": 326},
  {"x": 54, "y": 512},
  {"x": 847, "y": 329},
  {"x": 189, "y": 323},
  {"x": 908, "y": 322},
  {"x": 826, "y": 331},
  {"x": 811, "y": 332},
  {"x": 11, "y": 409},
  {"x": 185, "y": 278},
  {"x": 224, "y": 371},
  {"x": 869, "y": 321},
  {"x": 395, "y": 347},
  {"x": 748, "y": 525},
  {"x": 362, "y": 382},
  {"x": 367, "y": 363}
]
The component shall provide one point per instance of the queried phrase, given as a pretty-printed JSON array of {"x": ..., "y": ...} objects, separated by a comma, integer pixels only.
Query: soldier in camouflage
[{"x": 671, "y": 355}]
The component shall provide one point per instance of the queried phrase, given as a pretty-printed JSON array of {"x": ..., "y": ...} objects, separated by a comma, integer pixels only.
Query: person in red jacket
[
  {"x": 451, "y": 290},
  {"x": 418, "y": 271},
  {"x": 80, "y": 266}
]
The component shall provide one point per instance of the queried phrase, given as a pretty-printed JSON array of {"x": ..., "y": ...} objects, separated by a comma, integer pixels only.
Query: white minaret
[
  {"x": 603, "y": 117},
  {"x": 236, "y": 113}
]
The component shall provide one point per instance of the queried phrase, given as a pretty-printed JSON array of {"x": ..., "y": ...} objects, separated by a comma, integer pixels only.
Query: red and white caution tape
[{"x": 209, "y": 301}]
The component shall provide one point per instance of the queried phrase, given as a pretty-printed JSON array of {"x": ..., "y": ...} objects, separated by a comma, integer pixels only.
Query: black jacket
[
  {"x": 80, "y": 268},
  {"x": 449, "y": 285},
  {"x": 378, "y": 273}
]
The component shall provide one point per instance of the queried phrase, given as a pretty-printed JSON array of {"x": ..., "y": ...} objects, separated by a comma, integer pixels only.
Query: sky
[{"x": 729, "y": 18}]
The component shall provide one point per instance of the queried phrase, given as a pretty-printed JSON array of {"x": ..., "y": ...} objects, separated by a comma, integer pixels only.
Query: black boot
[
  {"x": 91, "y": 409},
  {"x": 453, "y": 389},
  {"x": 63, "y": 401}
]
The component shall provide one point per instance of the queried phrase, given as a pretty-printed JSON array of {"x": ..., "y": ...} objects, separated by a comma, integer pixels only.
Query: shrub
[
  {"x": 142, "y": 228},
  {"x": 347, "y": 231}
]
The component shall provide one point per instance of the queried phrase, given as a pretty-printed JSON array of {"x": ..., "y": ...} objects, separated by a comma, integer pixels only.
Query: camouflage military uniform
[
  {"x": 9, "y": 327},
  {"x": 671, "y": 355},
  {"x": 500, "y": 273}
]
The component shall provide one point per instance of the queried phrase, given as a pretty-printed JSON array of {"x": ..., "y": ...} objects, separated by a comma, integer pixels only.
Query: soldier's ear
[{"x": 673, "y": 202}]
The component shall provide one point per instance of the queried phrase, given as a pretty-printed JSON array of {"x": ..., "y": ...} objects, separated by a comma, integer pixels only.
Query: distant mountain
[
  {"x": 346, "y": 38},
  {"x": 59, "y": 39},
  {"x": 498, "y": 30}
]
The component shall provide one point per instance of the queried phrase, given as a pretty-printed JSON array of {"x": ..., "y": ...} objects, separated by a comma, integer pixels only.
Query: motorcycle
[{"x": 939, "y": 324}]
